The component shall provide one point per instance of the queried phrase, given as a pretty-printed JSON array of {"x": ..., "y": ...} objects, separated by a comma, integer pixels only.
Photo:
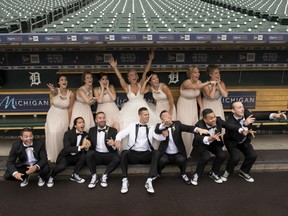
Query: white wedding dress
[{"x": 129, "y": 111}]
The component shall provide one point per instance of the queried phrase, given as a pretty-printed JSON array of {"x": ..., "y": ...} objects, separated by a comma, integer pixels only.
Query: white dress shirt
[
  {"x": 171, "y": 148},
  {"x": 78, "y": 142},
  {"x": 141, "y": 143},
  {"x": 31, "y": 160},
  {"x": 100, "y": 146},
  {"x": 241, "y": 121},
  {"x": 211, "y": 132}
]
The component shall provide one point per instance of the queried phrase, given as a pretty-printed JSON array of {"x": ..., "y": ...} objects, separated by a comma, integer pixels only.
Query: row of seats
[
  {"x": 10, "y": 9},
  {"x": 27, "y": 15},
  {"x": 272, "y": 10},
  {"x": 159, "y": 16},
  {"x": 143, "y": 16}
]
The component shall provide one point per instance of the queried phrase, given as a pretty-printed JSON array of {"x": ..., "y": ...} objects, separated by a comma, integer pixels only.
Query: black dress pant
[
  {"x": 204, "y": 152},
  {"x": 174, "y": 159},
  {"x": 234, "y": 151},
  {"x": 140, "y": 157},
  {"x": 62, "y": 163},
  {"x": 94, "y": 158},
  {"x": 43, "y": 172}
]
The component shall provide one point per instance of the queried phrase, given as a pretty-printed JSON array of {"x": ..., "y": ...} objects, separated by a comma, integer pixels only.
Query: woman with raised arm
[
  {"x": 84, "y": 100},
  {"x": 212, "y": 94},
  {"x": 187, "y": 109},
  {"x": 129, "y": 111},
  {"x": 106, "y": 96},
  {"x": 161, "y": 94},
  {"x": 58, "y": 117}
]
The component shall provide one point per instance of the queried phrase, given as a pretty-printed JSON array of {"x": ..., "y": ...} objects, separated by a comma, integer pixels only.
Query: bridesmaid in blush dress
[
  {"x": 212, "y": 94},
  {"x": 106, "y": 97},
  {"x": 58, "y": 117},
  {"x": 161, "y": 94},
  {"x": 84, "y": 100},
  {"x": 187, "y": 110}
]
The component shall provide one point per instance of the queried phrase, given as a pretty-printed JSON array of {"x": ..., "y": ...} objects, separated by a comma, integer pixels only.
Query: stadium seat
[
  {"x": 283, "y": 20},
  {"x": 144, "y": 15},
  {"x": 37, "y": 13},
  {"x": 273, "y": 17}
]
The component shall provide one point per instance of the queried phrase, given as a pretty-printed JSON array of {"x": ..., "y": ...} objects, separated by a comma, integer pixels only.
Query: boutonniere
[
  {"x": 173, "y": 127},
  {"x": 106, "y": 131}
]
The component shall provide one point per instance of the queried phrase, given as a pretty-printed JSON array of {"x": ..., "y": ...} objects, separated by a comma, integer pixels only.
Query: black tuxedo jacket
[
  {"x": 109, "y": 133},
  {"x": 17, "y": 156},
  {"x": 177, "y": 128},
  {"x": 70, "y": 143},
  {"x": 233, "y": 138},
  {"x": 198, "y": 140}
]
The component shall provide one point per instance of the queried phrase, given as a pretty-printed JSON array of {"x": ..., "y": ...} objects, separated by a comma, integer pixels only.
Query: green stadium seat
[
  {"x": 36, "y": 13},
  {"x": 273, "y": 17},
  {"x": 283, "y": 20},
  {"x": 4, "y": 29},
  {"x": 149, "y": 16}
]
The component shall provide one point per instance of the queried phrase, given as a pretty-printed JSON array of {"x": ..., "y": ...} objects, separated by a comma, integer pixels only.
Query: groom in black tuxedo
[
  {"x": 26, "y": 157},
  {"x": 103, "y": 150},
  {"x": 139, "y": 149},
  {"x": 173, "y": 149},
  {"x": 76, "y": 144}
]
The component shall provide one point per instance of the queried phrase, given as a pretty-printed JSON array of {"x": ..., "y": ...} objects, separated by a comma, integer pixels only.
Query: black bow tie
[
  {"x": 31, "y": 146},
  {"x": 101, "y": 130},
  {"x": 211, "y": 127},
  {"x": 168, "y": 126},
  {"x": 240, "y": 119},
  {"x": 79, "y": 134},
  {"x": 142, "y": 125}
]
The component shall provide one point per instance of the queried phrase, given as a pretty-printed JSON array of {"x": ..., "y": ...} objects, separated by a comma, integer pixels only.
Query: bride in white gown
[{"x": 129, "y": 111}]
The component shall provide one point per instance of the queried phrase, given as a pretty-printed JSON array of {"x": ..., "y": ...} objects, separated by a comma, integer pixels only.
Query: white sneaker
[
  {"x": 103, "y": 180},
  {"x": 77, "y": 178},
  {"x": 215, "y": 177},
  {"x": 93, "y": 181},
  {"x": 50, "y": 182},
  {"x": 186, "y": 179},
  {"x": 25, "y": 181},
  {"x": 41, "y": 182},
  {"x": 224, "y": 177},
  {"x": 149, "y": 186},
  {"x": 245, "y": 176},
  {"x": 125, "y": 185},
  {"x": 194, "y": 179}
]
